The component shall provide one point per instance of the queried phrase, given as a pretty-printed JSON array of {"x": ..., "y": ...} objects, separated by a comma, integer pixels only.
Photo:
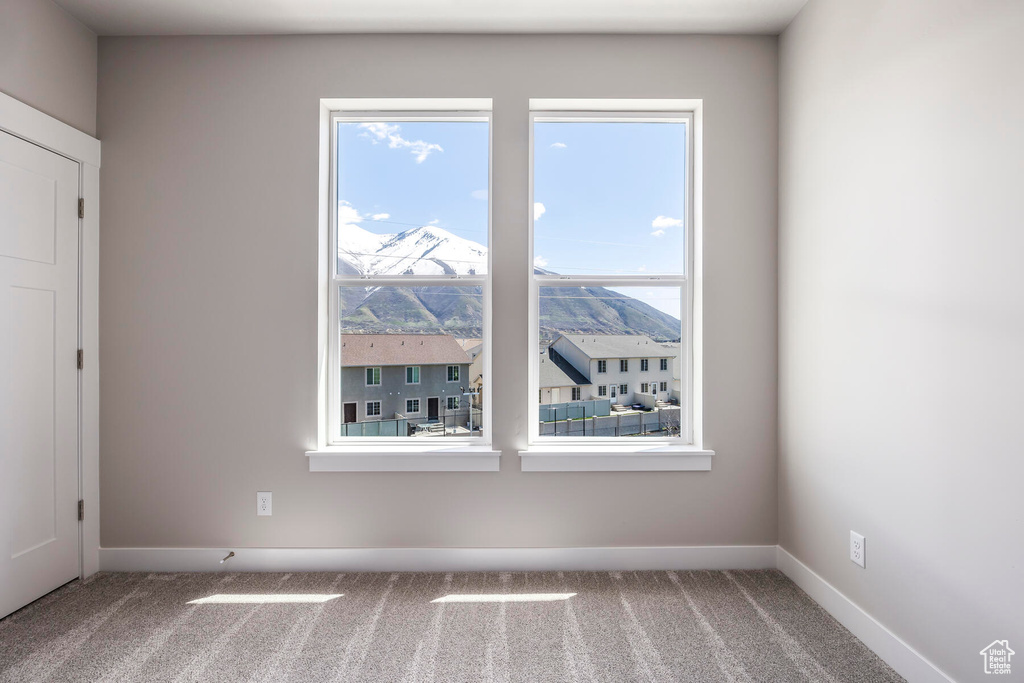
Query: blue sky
[
  {"x": 612, "y": 197},
  {"x": 609, "y": 197},
  {"x": 416, "y": 173}
]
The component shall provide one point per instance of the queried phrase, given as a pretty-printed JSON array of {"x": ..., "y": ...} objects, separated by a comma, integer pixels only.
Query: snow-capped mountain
[
  {"x": 458, "y": 308},
  {"x": 428, "y": 250}
]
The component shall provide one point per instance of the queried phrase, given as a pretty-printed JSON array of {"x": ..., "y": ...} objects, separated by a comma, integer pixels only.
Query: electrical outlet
[
  {"x": 856, "y": 548},
  {"x": 263, "y": 503}
]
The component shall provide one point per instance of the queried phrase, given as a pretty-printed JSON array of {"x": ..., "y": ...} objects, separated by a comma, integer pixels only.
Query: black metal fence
[{"x": 455, "y": 423}]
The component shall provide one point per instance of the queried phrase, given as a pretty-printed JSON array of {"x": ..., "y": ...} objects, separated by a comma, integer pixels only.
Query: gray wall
[
  {"x": 48, "y": 61},
  {"x": 902, "y": 316},
  {"x": 208, "y": 293}
]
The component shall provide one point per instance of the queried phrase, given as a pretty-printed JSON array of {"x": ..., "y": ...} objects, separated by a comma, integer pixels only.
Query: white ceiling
[{"x": 210, "y": 17}]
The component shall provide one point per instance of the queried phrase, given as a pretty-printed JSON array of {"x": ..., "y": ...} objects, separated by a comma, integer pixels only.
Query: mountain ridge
[{"x": 458, "y": 309}]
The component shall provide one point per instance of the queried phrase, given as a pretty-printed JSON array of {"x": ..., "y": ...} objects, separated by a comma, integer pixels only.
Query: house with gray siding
[{"x": 421, "y": 377}]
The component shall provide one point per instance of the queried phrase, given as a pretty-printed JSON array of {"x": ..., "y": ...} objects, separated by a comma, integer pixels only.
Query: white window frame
[
  {"x": 379, "y": 373},
  {"x": 645, "y": 387},
  {"x": 448, "y": 402},
  {"x": 381, "y": 454},
  {"x": 687, "y": 451},
  {"x": 602, "y": 390},
  {"x": 623, "y": 365},
  {"x": 645, "y": 364},
  {"x": 602, "y": 366},
  {"x": 419, "y": 406},
  {"x": 419, "y": 374},
  {"x": 366, "y": 408},
  {"x": 623, "y": 390},
  {"x": 663, "y": 364}
]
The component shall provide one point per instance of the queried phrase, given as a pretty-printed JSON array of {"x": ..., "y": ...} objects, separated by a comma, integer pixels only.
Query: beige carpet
[{"x": 629, "y": 626}]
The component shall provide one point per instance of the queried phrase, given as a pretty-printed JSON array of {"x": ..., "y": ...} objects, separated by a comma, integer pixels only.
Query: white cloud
[
  {"x": 391, "y": 133},
  {"x": 435, "y": 221},
  {"x": 479, "y": 194},
  {"x": 658, "y": 233},
  {"x": 666, "y": 222},
  {"x": 381, "y": 216},
  {"x": 641, "y": 269},
  {"x": 558, "y": 145},
  {"x": 538, "y": 210},
  {"x": 347, "y": 213},
  {"x": 540, "y": 261}
]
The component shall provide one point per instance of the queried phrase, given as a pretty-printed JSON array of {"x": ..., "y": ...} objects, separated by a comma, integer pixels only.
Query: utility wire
[{"x": 416, "y": 259}]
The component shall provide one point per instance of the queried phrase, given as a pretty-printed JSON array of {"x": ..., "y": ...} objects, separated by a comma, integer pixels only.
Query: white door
[{"x": 39, "y": 547}]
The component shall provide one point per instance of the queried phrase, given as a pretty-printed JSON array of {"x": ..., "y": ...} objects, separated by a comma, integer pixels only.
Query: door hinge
[
  {"x": 81, "y": 359},
  {"x": 81, "y": 207},
  {"x": 81, "y": 510}
]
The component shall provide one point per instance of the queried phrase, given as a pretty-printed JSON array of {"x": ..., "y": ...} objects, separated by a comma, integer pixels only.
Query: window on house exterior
[
  {"x": 453, "y": 403},
  {"x": 408, "y": 271},
  {"x": 612, "y": 251},
  {"x": 664, "y": 364},
  {"x": 602, "y": 390},
  {"x": 602, "y": 366},
  {"x": 577, "y": 393},
  {"x": 664, "y": 386}
]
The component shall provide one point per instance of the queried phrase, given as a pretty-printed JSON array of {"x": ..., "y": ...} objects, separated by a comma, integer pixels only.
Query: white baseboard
[
  {"x": 907, "y": 661},
  {"x": 437, "y": 559}
]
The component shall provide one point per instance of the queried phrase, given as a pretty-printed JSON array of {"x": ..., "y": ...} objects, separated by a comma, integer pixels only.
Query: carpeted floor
[{"x": 628, "y": 626}]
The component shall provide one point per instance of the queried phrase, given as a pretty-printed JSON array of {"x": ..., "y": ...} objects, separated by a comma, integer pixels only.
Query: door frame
[{"x": 32, "y": 125}]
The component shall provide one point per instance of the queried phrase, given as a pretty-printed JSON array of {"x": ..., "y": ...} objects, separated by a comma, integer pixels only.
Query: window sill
[
  {"x": 385, "y": 458},
  {"x": 605, "y": 458}
]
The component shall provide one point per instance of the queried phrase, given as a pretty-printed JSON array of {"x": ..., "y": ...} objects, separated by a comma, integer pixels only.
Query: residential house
[
  {"x": 475, "y": 349},
  {"x": 560, "y": 382},
  {"x": 676, "y": 385},
  {"x": 417, "y": 376},
  {"x": 620, "y": 367}
]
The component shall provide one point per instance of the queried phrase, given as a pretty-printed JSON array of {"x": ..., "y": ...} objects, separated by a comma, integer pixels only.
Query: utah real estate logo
[{"x": 997, "y": 657}]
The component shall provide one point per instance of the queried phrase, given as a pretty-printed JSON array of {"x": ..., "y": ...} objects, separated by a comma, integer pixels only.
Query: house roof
[
  {"x": 362, "y": 350},
  {"x": 618, "y": 346},
  {"x": 556, "y": 371}
]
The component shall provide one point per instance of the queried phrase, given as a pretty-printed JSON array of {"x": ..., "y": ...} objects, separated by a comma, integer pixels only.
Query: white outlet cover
[
  {"x": 857, "y": 548},
  {"x": 264, "y": 503}
]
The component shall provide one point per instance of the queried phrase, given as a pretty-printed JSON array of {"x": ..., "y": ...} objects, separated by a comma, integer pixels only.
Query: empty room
[{"x": 511, "y": 340}]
